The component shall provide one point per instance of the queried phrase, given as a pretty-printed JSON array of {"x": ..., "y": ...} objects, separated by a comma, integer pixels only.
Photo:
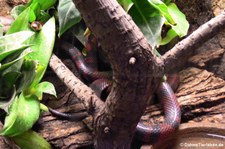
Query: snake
[{"x": 101, "y": 82}]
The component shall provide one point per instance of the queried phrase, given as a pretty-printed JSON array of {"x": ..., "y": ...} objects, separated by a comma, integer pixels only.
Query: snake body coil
[{"x": 101, "y": 81}]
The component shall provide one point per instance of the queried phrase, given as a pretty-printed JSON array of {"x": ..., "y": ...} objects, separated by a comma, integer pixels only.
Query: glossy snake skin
[{"x": 101, "y": 81}]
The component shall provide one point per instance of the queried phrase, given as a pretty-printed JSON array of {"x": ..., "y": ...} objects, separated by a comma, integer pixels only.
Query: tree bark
[
  {"x": 206, "y": 59},
  {"x": 200, "y": 94},
  {"x": 133, "y": 82}
]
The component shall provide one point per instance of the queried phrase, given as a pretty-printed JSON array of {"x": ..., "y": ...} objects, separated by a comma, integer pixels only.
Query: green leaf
[
  {"x": 17, "y": 10},
  {"x": 46, "y": 87},
  {"x": 7, "y": 85},
  {"x": 14, "y": 60},
  {"x": 43, "y": 43},
  {"x": 14, "y": 67},
  {"x": 11, "y": 116},
  {"x": 171, "y": 34},
  {"x": 15, "y": 38},
  {"x": 163, "y": 9},
  {"x": 10, "y": 78},
  {"x": 5, "y": 104},
  {"x": 68, "y": 15},
  {"x": 126, "y": 4},
  {"x": 32, "y": 16},
  {"x": 31, "y": 139},
  {"x": 28, "y": 71},
  {"x": 166, "y": 1},
  {"x": 43, "y": 3},
  {"x": 181, "y": 27},
  {"x": 149, "y": 20},
  {"x": 44, "y": 17},
  {"x": 42, "y": 50},
  {"x": 10, "y": 49},
  {"x": 23, "y": 113},
  {"x": 21, "y": 23}
]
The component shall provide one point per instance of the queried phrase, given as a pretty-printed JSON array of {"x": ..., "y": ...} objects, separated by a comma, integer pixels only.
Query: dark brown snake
[{"x": 101, "y": 81}]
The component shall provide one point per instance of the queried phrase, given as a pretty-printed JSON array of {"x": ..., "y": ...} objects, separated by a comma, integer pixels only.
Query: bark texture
[
  {"x": 83, "y": 92},
  {"x": 133, "y": 83},
  {"x": 201, "y": 96},
  {"x": 206, "y": 59},
  {"x": 64, "y": 134}
]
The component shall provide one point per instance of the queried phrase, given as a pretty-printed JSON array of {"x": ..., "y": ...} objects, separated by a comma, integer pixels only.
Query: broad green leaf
[
  {"x": 28, "y": 71},
  {"x": 170, "y": 35},
  {"x": 31, "y": 139},
  {"x": 166, "y": 1},
  {"x": 17, "y": 10},
  {"x": 21, "y": 23},
  {"x": 44, "y": 17},
  {"x": 15, "y": 38},
  {"x": 126, "y": 4},
  {"x": 7, "y": 85},
  {"x": 16, "y": 67},
  {"x": 42, "y": 50},
  {"x": 46, "y": 87},
  {"x": 5, "y": 104},
  {"x": 180, "y": 28},
  {"x": 163, "y": 9},
  {"x": 10, "y": 78},
  {"x": 43, "y": 43},
  {"x": 32, "y": 16},
  {"x": 14, "y": 60},
  {"x": 149, "y": 20},
  {"x": 10, "y": 49},
  {"x": 43, "y": 3},
  {"x": 68, "y": 15},
  {"x": 23, "y": 113},
  {"x": 182, "y": 25},
  {"x": 11, "y": 116}
]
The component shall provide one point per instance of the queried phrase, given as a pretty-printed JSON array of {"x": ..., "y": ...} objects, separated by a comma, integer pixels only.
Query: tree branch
[
  {"x": 91, "y": 102},
  {"x": 178, "y": 55},
  {"x": 136, "y": 71}
]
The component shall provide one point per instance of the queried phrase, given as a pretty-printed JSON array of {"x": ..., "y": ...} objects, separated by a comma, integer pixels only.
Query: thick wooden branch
[
  {"x": 200, "y": 94},
  {"x": 176, "y": 58},
  {"x": 84, "y": 93},
  {"x": 136, "y": 71}
]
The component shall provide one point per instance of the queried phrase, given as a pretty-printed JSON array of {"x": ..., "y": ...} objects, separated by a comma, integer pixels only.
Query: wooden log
[
  {"x": 207, "y": 58},
  {"x": 6, "y": 143},
  {"x": 201, "y": 96},
  {"x": 60, "y": 133}
]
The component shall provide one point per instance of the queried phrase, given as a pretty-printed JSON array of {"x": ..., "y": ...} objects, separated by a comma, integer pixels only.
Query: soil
[{"x": 4, "y": 8}]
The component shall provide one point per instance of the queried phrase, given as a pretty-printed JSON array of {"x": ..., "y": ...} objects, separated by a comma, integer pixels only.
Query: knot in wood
[
  {"x": 132, "y": 61},
  {"x": 106, "y": 130}
]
